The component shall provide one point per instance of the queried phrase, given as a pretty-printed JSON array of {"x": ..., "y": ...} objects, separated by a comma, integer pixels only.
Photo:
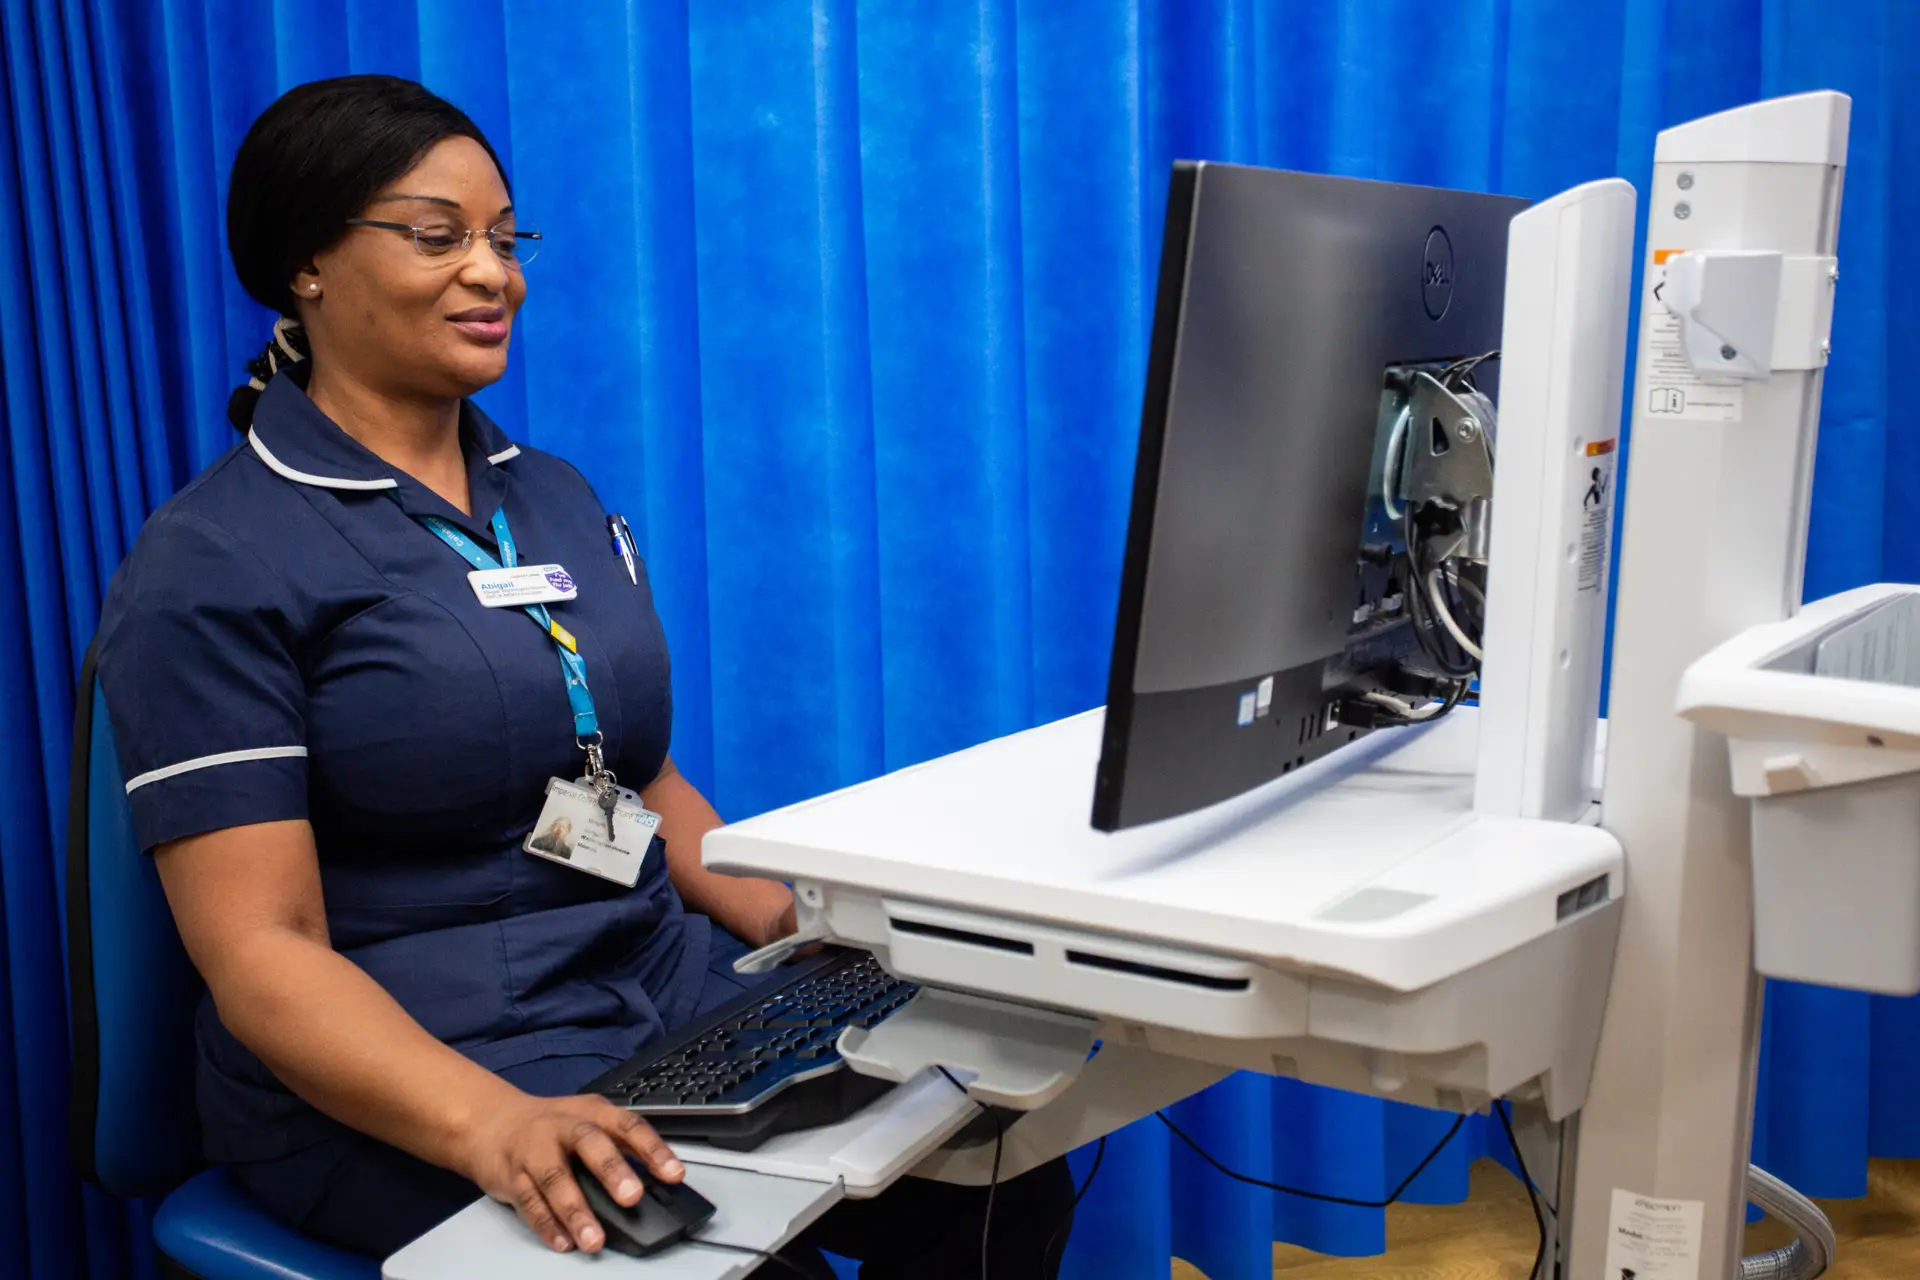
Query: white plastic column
[
  {"x": 1714, "y": 541},
  {"x": 1563, "y": 340}
]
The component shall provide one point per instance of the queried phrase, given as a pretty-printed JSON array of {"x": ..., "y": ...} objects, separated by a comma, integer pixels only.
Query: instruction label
[
  {"x": 1673, "y": 389},
  {"x": 1596, "y": 512},
  {"x": 1653, "y": 1239}
]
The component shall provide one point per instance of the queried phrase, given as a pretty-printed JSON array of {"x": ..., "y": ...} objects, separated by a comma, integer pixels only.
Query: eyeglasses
[{"x": 515, "y": 247}]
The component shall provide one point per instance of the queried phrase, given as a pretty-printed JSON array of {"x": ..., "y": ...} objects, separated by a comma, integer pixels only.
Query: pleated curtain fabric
[{"x": 845, "y": 304}]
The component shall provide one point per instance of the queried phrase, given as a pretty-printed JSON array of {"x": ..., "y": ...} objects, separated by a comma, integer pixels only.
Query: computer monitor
[{"x": 1293, "y": 313}]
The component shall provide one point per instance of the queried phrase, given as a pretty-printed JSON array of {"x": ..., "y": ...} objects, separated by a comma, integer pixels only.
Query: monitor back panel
[{"x": 1283, "y": 299}]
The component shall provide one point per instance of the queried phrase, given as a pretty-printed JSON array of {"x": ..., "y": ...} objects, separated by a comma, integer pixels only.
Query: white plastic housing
[
  {"x": 1713, "y": 542},
  {"x": 1826, "y": 698},
  {"x": 1569, "y": 274},
  {"x": 1353, "y": 923},
  {"x": 1746, "y": 313},
  {"x": 1836, "y": 886},
  {"x": 1822, "y": 718},
  {"x": 1804, "y": 128},
  {"x": 1725, "y": 303}
]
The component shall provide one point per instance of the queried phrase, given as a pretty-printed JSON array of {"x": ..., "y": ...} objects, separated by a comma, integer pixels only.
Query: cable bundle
[{"x": 1444, "y": 589}]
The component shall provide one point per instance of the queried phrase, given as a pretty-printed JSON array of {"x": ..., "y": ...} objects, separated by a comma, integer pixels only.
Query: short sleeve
[{"x": 198, "y": 665}]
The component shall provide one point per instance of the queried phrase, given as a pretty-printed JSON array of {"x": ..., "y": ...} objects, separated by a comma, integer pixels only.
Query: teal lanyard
[{"x": 586, "y": 725}]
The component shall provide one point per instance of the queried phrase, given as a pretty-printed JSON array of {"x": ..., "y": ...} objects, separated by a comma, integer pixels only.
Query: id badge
[
  {"x": 527, "y": 584},
  {"x": 572, "y": 831}
]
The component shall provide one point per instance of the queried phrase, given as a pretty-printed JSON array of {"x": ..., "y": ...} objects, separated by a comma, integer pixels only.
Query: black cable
[
  {"x": 999, "y": 1138},
  {"x": 1448, "y": 703},
  {"x": 1447, "y": 654},
  {"x": 1424, "y": 629},
  {"x": 993, "y": 1182},
  {"x": 1316, "y": 1195},
  {"x": 962, "y": 1088},
  {"x": 1526, "y": 1179},
  {"x": 1385, "y": 716},
  {"x": 1458, "y": 583},
  {"x": 762, "y": 1254},
  {"x": 1428, "y": 634},
  {"x": 1449, "y": 605},
  {"x": 1464, "y": 368},
  {"x": 1429, "y": 601},
  {"x": 1439, "y": 648},
  {"x": 1551, "y": 1207},
  {"x": 1099, "y": 1154}
]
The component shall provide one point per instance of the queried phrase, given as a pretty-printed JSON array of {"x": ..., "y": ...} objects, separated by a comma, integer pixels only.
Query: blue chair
[{"x": 133, "y": 1125}]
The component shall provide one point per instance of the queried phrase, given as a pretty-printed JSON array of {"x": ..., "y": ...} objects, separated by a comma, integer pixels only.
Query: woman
[
  {"x": 336, "y": 748},
  {"x": 556, "y": 839}
]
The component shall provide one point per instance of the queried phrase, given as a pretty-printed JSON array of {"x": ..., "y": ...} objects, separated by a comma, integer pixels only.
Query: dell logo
[{"x": 1436, "y": 273}]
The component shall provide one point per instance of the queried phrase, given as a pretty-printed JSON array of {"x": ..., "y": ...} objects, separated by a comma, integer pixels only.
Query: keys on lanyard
[{"x": 602, "y": 780}]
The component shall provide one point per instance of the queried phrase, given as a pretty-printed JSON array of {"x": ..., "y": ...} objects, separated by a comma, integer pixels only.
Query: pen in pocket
[{"x": 623, "y": 547}]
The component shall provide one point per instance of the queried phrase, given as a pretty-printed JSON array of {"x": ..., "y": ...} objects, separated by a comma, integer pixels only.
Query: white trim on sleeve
[{"x": 207, "y": 762}]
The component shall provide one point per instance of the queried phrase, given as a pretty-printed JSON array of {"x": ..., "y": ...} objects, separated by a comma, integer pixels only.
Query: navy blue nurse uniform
[{"x": 286, "y": 641}]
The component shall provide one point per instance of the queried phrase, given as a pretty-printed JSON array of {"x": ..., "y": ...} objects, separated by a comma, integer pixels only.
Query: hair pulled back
[{"x": 312, "y": 160}]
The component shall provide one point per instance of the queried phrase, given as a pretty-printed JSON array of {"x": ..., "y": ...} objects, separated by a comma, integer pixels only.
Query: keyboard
[{"x": 766, "y": 1062}]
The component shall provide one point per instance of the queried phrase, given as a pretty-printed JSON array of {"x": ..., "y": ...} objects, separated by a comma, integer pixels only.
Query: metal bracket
[{"x": 1449, "y": 462}]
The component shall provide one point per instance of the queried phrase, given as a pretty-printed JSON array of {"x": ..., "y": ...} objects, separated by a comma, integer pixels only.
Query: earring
[{"x": 313, "y": 288}]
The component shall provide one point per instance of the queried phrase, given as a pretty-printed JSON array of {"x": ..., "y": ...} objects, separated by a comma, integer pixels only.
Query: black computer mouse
[{"x": 665, "y": 1214}]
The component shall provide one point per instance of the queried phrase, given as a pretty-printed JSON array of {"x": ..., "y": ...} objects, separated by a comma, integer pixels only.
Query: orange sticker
[
  {"x": 1660, "y": 256},
  {"x": 1600, "y": 448}
]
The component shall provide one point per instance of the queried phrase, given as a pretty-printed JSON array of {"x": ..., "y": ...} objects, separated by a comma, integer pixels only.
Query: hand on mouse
[{"x": 518, "y": 1155}]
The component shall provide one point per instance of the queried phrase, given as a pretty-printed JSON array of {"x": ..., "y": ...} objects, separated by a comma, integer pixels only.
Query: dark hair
[{"x": 311, "y": 161}]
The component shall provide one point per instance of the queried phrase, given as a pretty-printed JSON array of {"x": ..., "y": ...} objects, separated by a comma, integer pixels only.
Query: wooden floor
[{"x": 1491, "y": 1236}]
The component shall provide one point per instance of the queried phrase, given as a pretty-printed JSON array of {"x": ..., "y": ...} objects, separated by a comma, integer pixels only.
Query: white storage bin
[
  {"x": 1836, "y": 874},
  {"x": 1822, "y": 718}
]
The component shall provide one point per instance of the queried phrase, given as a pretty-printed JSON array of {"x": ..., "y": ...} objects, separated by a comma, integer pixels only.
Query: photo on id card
[{"x": 572, "y": 830}]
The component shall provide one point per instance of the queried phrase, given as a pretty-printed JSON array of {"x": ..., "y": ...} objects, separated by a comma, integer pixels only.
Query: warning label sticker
[
  {"x": 1673, "y": 389},
  {"x": 1596, "y": 513},
  {"x": 1653, "y": 1239}
]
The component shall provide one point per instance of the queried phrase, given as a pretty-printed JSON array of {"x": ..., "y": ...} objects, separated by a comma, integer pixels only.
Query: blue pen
[{"x": 623, "y": 546}]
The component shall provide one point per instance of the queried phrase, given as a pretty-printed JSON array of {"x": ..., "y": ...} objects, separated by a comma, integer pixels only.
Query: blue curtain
[{"x": 845, "y": 303}]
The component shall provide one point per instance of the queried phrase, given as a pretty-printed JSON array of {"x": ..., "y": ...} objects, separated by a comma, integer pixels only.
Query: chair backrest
[{"x": 133, "y": 1129}]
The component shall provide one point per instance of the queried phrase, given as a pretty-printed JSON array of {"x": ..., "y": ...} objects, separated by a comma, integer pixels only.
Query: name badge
[
  {"x": 524, "y": 584},
  {"x": 573, "y": 831}
]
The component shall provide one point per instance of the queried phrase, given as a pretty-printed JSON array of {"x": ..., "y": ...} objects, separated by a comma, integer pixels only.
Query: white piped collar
[
  {"x": 310, "y": 448},
  {"x": 280, "y": 468}
]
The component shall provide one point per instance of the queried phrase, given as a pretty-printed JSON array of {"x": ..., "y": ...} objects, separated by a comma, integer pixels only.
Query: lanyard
[{"x": 586, "y": 725}]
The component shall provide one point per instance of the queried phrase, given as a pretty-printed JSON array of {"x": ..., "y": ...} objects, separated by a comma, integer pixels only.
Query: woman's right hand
[{"x": 519, "y": 1155}]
